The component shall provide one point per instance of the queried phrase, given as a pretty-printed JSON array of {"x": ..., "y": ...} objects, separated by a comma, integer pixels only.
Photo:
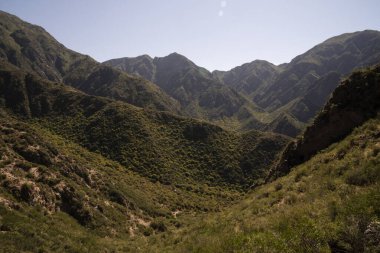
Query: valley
[{"x": 142, "y": 154}]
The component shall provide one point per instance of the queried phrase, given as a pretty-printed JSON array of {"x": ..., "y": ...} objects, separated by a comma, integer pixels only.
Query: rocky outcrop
[{"x": 356, "y": 100}]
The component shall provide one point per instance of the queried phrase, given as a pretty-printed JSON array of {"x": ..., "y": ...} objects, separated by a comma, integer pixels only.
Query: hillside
[
  {"x": 327, "y": 204},
  {"x": 259, "y": 95},
  {"x": 74, "y": 166},
  {"x": 249, "y": 78},
  {"x": 327, "y": 201},
  {"x": 161, "y": 146},
  {"x": 160, "y": 155},
  {"x": 32, "y": 49},
  {"x": 352, "y": 103},
  {"x": 199, "y": 93},
  {"x": 57, "y": 196},
  {"x": 305, "y": 84},
  {"x": 293, "y": 93}
]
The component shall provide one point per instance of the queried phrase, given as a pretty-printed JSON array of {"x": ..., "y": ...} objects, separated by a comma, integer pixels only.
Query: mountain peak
[{"x": 175, "y": 58}]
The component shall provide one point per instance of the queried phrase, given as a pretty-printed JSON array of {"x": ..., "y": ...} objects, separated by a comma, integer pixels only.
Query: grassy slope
[
  {"x": 158, "y": 145},
  {"x": 326, "y": 203},
  {"x": 352, "y": 103},
  {"x": 57, "y": 196}
]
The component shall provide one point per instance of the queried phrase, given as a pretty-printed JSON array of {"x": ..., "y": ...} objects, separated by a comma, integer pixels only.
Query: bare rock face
[{"x": 356, "y": 100}]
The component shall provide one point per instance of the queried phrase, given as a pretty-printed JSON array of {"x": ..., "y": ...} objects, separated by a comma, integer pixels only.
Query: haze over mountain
[{"x": 93, "y": 159}]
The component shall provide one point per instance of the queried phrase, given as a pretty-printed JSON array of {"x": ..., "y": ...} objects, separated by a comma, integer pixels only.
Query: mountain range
[
  {"x": 260, "y": 95},
  {"x": 160, "y": 155}
]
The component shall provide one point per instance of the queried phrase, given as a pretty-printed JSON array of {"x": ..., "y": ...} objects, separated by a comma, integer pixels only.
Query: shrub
[
  {"x": 147, "y": 231},
  {"x": 302, "y": 234},
  {"x": 26, "y": 191},
  {"x": 365, "y": 176},
  {"x": 299, "y": 175},
  {"x": 158, "y": 225},
  {"x": 278, "y": 186}
]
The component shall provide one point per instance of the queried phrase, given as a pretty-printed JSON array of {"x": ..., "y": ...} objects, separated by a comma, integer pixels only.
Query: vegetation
[
  {"x": 328, "y": 204},
  {"x": 352, "y": 103},
  {"x": 61, "y": 197},
  {"x": 281, "y": 99},
  {"x": 197, "y": 91},
  {"x": 32, "y": 49},
  {"x": 82, "y": 169},
  {"x": 158, "y": 145}
]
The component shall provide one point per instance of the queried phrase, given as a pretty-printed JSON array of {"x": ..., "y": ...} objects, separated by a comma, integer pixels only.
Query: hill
[
  {"x": 352, "y": 103},
  {"x": 326, "y": 202},
  {"x": 305, "y": 84},
  {"x": 158, "y": 145},
  {"x": 199, "y": 93},
  {"x": 32, "y": 49},
  {"x": 249, "y": 78},
  {"x": 259, "y": 95}
]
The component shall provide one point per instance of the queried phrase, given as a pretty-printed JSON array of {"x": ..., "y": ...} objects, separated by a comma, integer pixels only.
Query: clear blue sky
[{"x": 214, "y": 34}]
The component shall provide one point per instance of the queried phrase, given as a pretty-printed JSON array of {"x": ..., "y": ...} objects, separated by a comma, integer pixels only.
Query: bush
[
  {"x": 26, "y": 191},
  {"x": 158, "y": 225},
  {"x": 299, "y": 175},
  {"x": 365, "y": 176},
  {"x": 278, "y": 187},
  {"x": 302, "y": 234}
]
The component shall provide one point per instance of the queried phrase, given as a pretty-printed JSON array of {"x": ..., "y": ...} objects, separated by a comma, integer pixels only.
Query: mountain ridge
[
  {"x": 32, "y": 48},
  {"x": 283, "y": 98},
  {"x": 353, "y": 102},
  {"x": 200, "y": 95}
]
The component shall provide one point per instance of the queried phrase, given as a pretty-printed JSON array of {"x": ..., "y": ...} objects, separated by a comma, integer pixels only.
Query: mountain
[
  {"x": 31, "y": 48},
  {"x": 260, "y": 95},
  {"x": 327, "y": 204},
  {"x": 95, "y": 167},
  {"x": 199, "y": 93},
  {"x": 309, "y": 79},
  {"x": 58, "y": 196},
  {"x": 293, "y": 93},
  {"x": 353, "y": 102},
  {"x": 90, "y": 163},
  {"x": 160, "y": 146},
  {"x": 250, "y": 77},
  {"x": 328, "y": 196}
]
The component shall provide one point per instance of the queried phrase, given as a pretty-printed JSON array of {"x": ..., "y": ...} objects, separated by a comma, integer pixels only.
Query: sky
[{"x": 215, "y": 34}]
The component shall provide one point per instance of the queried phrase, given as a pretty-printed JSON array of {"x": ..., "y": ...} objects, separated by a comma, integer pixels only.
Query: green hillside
[
  {"x": 352, "y": 103},
  {"x": 293, "y": 93},
  {"x": 57, "y": 196},
  {"x": 169, "y": 157},
  {"x": 306, "y": 83},
  {"x": 200, "y": 94},
  {"x": 328, "y": 204},
  {"x": 32, "y": 49}
]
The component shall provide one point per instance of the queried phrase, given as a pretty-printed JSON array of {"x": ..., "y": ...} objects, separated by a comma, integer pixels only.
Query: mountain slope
[
  {"x": 58, "y": 196},
  {"x": 293, "y": 93},
  {"x": 319, "y": 69},
  {"x": 327, "y": 204},
  {"x": 352, "y": 103},
  {"x": 250, "y": 77},
  {"x": 32, "y": 49},
  {"x": 326, "y": 201},
  {"x": 158, "y": 145},
  {"x": 195, "y": 88}
]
